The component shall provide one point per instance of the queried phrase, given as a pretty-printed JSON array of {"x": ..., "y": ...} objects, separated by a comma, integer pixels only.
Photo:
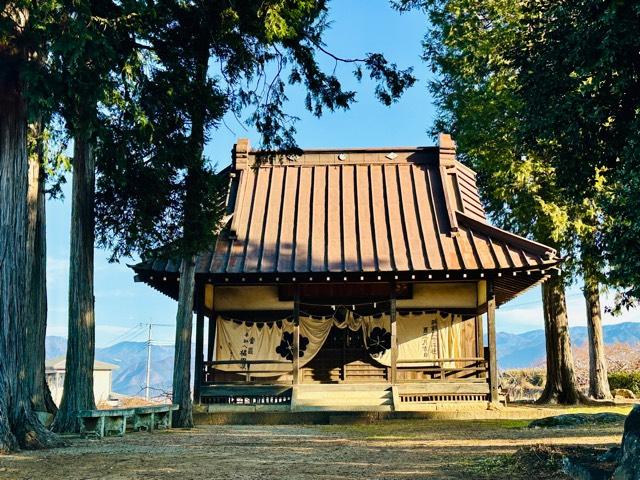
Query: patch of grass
[
  {"x": 412, "y": 429},
  {"x": 500, "y": 466},
  {"x": 540, "y": 462},
  {"x": 502, "y": 423},
  {"x": 622, "y": 409}
]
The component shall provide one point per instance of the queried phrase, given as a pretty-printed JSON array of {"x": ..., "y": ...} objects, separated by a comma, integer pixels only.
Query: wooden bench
[{"x": 114, "y": 421}]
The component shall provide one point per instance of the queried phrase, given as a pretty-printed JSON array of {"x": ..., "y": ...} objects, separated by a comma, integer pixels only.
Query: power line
[
  {"x": 126, "y": 334},
  {"x": 514, "y": 306},
  {"x": 150, "y": 326}
]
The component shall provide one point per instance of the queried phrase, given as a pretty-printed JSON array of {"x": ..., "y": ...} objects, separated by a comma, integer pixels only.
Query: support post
[
  {"x": 147, "y": 384},
  {"x": 209, "y": 375},
  {"x": 296, "y": 338},
  {"x": 197, "y": 374},
  {"x": 394, "y": 336},
  {"x": 211, "y": 341},
  {"x": 491, "y": 335},
  {"x": 480, "y": 346}
]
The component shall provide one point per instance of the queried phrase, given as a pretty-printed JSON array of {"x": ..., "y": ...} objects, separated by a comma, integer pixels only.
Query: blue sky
[{"x": 359, "y": 27}]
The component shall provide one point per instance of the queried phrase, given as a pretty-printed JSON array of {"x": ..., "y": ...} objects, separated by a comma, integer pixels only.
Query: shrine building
[{"x": 352, "y": 279}]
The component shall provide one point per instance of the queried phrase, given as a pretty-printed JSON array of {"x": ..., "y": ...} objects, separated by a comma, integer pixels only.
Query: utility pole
[
  {"x": 147, "y": 389},
  {"x": 148, "y": 385}
]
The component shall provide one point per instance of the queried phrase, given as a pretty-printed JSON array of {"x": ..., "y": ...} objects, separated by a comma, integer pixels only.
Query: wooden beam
[
  {"x": 394, "y": 338},
  {"x": 198, "y": 368},
  {"x": 296, "y": 338},
  {"x": 491, "y": 334}
]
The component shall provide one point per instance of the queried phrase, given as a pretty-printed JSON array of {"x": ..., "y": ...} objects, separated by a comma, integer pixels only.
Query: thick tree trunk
[
  {"x": 19, "y": 426},
  {"x": 598, "y": 380},
  {"x": 184, "y": 318},
  {"x": 36, "y": 293},
  {"x": 561, "y": 385},
  {"x": 78, "y": 382},
  {"x": 182, "y": 359}
]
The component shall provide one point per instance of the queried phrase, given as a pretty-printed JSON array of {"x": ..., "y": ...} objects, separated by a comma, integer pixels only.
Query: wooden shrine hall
[{"x": 352, "y": 279}]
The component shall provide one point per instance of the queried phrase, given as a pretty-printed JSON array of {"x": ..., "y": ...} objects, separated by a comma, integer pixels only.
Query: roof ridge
[{"x": 381, "y": 149}]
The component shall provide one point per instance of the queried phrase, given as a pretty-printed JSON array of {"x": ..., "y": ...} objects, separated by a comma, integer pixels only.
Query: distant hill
[
  {"x": 131, "y": 358},
  {"x": 514, "y": 351},
  {"x": 55, "y": 346},
  {"x": 528, "y": 349}
]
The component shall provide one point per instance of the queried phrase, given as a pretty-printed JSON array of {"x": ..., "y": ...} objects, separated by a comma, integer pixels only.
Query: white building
[{"x": 102, "y": 376}]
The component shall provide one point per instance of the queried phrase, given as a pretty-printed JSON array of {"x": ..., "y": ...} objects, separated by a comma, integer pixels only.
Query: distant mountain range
[
  {"x": 514, "y": 351},
  {"x": 131, "y": 358},
  {"x": 528, "y": 349}
]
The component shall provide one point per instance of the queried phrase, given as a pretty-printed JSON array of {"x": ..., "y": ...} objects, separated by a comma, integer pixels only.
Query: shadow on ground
[{"x": 386, "y": 450}]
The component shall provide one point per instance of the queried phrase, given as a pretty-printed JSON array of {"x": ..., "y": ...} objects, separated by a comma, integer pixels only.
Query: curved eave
[
  {"x": 162, "y": 281},
  {"x": 508, "y": 283}
]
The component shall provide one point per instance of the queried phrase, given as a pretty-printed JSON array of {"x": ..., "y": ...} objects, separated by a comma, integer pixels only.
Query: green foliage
[
  {"x": 623, "y": 231},
  {"x": 201, "y": 61},
  {"x": 92, "y": 45},
  {"x": 581, "y": 90},
  {"x": 542, "y": 99},
  {"x": 49, "y": 145},
  {"x": 476, "y": 90},
  {"x": 627, "y": 380},
  {"x": 149, "y": 82}
]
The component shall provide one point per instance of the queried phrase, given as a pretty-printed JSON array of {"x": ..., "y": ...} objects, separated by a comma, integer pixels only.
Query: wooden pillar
[
  {"x": 394, "y": 336},
  {"x": 211, "y": 341},
  {"x": 491, "y": 335},
  {"x": 296, "y": 338},
  {"x": 198, "y": 368},
  {"x": 208, "y": 373},
  {"x": 479, "y": 337},
  {"x": 479, "y": 345}
]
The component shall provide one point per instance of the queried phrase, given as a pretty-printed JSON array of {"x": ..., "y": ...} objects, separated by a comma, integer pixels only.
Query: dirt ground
[{"x": 392, "y": 449}]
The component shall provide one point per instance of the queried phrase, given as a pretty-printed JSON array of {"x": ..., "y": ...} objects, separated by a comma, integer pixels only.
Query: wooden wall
[{"x": 425, "y": 295}]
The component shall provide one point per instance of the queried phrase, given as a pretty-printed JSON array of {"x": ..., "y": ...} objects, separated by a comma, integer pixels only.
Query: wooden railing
[
  {"x": 244, "y": 368},
  {"x": 418, "y": 370},
  {"x": 444, "y": 369}
]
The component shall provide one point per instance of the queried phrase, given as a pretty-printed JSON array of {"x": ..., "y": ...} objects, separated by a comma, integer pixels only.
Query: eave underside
[{"x": 507, "y": 284}]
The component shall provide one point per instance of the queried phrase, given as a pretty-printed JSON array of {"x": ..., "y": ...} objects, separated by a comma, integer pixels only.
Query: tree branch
[{"x": 335, "y": 57}]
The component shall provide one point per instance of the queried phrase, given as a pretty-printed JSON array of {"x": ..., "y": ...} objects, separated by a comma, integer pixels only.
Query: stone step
[
  {"x": 341, "y": 387},
  {"x": 354, "y": 398},
  {"x": 342, "y": 408},
  {"x": 347, "y": 402},
  {"x": 349, "y": 398}
]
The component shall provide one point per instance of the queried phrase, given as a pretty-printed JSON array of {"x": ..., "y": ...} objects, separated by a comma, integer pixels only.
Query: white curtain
[
  {"x": 240, "y": 340},
  {"x": 422, "y": 336}
]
